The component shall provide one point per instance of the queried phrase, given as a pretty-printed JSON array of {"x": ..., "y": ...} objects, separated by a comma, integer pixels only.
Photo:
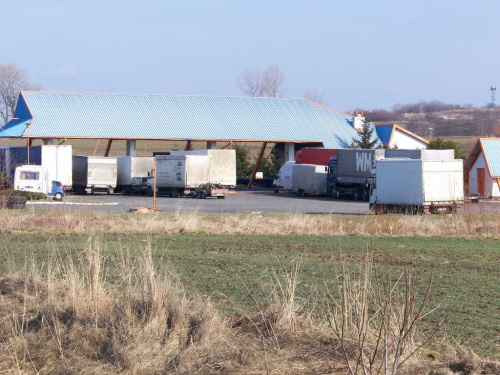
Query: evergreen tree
[
  {"x": 365, "y": 139},
  {"x": 448, "y": 144},
  {"x": 243, "y": 165}
]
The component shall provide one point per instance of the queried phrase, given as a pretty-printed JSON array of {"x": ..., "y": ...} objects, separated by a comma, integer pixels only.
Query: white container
[
  {"x": 182, "y": 171},
  {"x": 223, "y": 165},
  {"x": 421, "y": 154},
  {"x": 309, "y": 179},
  {"x": 418, "y": 182},
  {"x": 94, "y": 173},
  {"x": 132, "y": 170},
  {"x": 59, "y": 162}
]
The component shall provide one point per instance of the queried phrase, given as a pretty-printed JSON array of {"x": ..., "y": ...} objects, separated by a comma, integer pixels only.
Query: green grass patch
[{"x": 238, "y": 272}]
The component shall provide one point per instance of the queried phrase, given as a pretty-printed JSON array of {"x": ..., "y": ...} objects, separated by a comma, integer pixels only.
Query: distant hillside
[{"x": 449, "y": 123}]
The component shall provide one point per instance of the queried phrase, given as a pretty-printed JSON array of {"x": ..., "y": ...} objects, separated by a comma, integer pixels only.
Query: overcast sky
[{"x": 362, "y": 54}]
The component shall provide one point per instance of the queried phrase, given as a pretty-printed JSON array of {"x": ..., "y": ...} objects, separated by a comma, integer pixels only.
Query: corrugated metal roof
[
  {"x": 137, "y": 116},
  {"x": 491, "y": 148},
  {"x": 14, "y": 128}
]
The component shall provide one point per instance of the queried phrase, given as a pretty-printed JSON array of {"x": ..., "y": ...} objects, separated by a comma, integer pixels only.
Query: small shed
[
  {"x": 395, "y": 136},
  {"x": 482, "y": 168}
]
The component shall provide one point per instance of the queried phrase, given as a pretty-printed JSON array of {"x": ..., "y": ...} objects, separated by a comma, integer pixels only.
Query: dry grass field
[{"x": 106, "y": 293}]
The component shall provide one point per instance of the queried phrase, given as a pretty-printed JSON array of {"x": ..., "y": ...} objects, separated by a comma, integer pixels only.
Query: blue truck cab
[{"x": 57, "y": 191}]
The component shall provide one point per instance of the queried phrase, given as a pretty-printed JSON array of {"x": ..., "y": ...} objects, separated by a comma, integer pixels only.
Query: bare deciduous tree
[
  {"x": 274, "y": 79},
  {"x": 269, "y": 82},
  {"x": 314, "y": 95},
  {"x": 251, "y": 82},
  {"x": 12, "y": 80}
]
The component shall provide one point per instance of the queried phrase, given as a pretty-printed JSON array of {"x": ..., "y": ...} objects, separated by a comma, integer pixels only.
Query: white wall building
[
  {"x": 395, "y": 136},
  {"x": 482, "y": 168}
]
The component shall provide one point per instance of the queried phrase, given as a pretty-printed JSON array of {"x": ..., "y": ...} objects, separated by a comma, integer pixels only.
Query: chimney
[{"x": 359, "y": 120}]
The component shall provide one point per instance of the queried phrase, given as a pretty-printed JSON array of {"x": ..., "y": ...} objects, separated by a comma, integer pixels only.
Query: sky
[{"x": 359, "y": 54}]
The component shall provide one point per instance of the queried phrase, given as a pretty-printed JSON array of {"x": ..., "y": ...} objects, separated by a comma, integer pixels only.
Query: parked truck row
[
  {"x": 392, "y": 180},
  {"x": 202, "y": 173},
  {"x": 207, "y": 173}
]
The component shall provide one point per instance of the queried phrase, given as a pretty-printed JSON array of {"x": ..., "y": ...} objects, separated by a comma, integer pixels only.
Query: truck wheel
[
  {"x": 202, "y": 195},
  {"x": 58, "y": 197},
  {"x": 126, "y": 191},
  {"x": 300, "y": 193},
  {"x": 356, "y": 195},
  {"x": 334, "y": 193},
  {"x": 222, "y": 197},
  {"x": 276, "y": 190},
  {"x": 149, "y": 192},
  {"x": 365, "y": 195},
  {"x": 174, "y": 193}
]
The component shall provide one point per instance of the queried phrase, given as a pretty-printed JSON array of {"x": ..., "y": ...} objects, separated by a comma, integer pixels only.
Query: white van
[{"x": 284, "y": 179}]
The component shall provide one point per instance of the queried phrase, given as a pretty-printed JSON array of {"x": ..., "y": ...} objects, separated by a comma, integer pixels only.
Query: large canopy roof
[{"x": 165, "y": 117}]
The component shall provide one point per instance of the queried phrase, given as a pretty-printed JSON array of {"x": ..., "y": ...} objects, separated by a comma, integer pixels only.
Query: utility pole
[{"x": 493, "y": 89}]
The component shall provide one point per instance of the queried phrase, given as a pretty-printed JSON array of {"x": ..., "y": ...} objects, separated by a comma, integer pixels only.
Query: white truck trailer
[
  {"x": 179, "y": 175},
  {"x": 94, "y": 173},
  {"x": 417, "y": 186},
  {"x": 309, "y": 179},
  {"x": 223, "y": 165},
  {"x": 133, "y": 173},
  {"x": 59, "y": 162}
]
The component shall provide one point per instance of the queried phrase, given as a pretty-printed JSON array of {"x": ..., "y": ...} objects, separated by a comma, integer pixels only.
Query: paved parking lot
[
  {"x": 262, "y": 200},
  {"x": 259, "y": 200}
]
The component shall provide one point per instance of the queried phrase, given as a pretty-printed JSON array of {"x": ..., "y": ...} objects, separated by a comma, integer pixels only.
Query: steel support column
[
  {"x": 130, "y": 147},
  {"x": 188, "y": 145},
  {"x": 289, "y": 152},
  {"x": 108, "y": 147},
  {"x": 257, "y": 164}
]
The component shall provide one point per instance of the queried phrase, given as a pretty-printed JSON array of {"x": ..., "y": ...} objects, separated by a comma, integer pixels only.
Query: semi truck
[
  {"x": 315, "y": 155},
  {"x": 350, "y": 173},
  {"x": 309, "y": 179},
  {"x": 36, "y": 178},
  {"x": 58, "y": 159},
  {"x": 186, "y": 175},
  {"x": 417, "y": 186},
  {"x": 93, "y": 174},
  {"x": 133, "y": 173}
]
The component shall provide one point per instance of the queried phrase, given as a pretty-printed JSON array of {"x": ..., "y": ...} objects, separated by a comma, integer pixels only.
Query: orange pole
[
  {"x": 28, "y": 144},
  {"x": 154, "y": 187},
  {"x": 188, "y": 146},
  {"x": 95, "y": 149},
  {"x": 257, "y": 164}
]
